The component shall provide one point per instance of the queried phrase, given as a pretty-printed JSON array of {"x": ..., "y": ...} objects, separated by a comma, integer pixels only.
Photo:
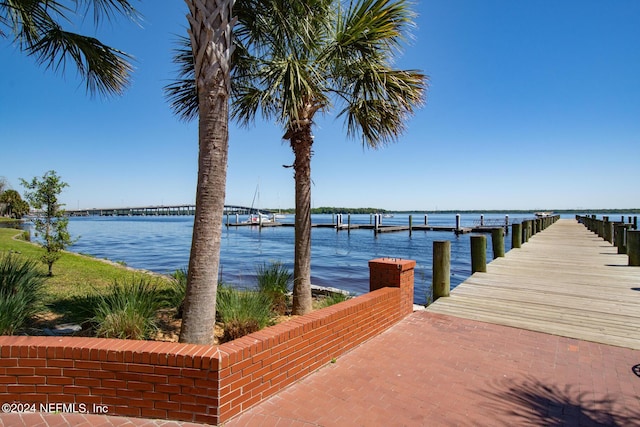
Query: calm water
[{"x": 339, "y": 259}]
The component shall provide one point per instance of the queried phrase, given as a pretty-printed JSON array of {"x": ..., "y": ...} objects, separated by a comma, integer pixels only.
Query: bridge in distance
[{"x": 172, "y": 210}]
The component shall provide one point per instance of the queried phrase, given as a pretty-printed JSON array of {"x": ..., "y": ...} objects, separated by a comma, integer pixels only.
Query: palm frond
[
  {"x": 379, "y": 103},
  {"x": 182, "y": 93},
  {"x": 107, "y": 9},
  {"x": 373, "y": 27},
  {"x": 106, "y": 70},
  {"x": 37, "y": 30}
]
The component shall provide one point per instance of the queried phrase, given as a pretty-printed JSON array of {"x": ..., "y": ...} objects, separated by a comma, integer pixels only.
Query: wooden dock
[
  {"x": 564, "y": 281},
  {"x": 379, "y": 229}
]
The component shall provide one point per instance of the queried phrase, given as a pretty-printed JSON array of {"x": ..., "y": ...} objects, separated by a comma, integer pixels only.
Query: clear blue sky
[{"x": 533, "y": 104}]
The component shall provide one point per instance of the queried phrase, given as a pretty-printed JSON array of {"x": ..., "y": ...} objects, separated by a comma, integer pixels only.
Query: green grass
[{"x": 75, "y": 277}]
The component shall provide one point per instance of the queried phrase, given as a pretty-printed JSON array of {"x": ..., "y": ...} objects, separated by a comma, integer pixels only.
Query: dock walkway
[{"x": 564, "y": 281}]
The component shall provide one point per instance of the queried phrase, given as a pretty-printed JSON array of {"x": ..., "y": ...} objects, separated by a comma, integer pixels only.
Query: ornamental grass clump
[
  {"x": 128, "y": 311},
  {"x": 273, "y": 281},
  {"x": 332, "y": 298},
  {"x": 21, "y": 286},
  {"x": 242, "y": 312},
  {"x": 177, "y": 291}
]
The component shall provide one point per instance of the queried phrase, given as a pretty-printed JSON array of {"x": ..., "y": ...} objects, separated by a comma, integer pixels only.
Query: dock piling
[
  {"x": 516, "y": 235},
  {"x": 633, "y": 247},
  {"x": 410, "y": 224},
  {"x": 441, "y": 280},
  {"x": 497, "y": 242},
  {"x": 620, "y": 232},
  {"x": 478, "y": 254}
]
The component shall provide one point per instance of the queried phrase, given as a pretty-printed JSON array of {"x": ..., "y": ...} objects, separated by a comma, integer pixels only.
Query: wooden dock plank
[{"x": 564, "y": 281}]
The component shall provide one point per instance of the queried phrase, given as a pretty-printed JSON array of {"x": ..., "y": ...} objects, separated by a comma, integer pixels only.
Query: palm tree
[
  {"x": 35, "y": 27},
  {"x": 296, "y": 58},
  {"x": 342, "y": 56},
  {"x": 210, "y": 25}
]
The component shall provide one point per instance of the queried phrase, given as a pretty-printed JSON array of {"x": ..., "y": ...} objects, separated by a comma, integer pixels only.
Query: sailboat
[{"x": 258, "y": 217}]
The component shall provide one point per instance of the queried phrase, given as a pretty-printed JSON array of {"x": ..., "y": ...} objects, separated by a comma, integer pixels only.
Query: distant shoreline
[{"x": 331, "y": 210}]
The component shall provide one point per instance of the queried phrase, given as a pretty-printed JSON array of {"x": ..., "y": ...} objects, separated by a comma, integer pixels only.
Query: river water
[{"x": 339, "y": 259}]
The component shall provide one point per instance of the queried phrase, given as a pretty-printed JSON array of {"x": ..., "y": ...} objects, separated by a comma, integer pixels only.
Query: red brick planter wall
[{"x": 208, "y": 384}]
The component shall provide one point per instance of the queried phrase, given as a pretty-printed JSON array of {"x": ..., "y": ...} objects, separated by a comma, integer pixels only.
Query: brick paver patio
[{"x": 437, "y": 370}]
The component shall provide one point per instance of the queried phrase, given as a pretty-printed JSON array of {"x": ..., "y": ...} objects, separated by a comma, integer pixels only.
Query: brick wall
[{"x": 207, "y": 384}]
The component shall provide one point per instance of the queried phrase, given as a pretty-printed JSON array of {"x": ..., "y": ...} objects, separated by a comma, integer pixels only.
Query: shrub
[
  {"x": 242, "y": 312},
  {"x": 273, "y": 281},
  {"x": 177, "y": 291},
  {"x": 128, "y": 311},
  {"x": 332, "y": 298},
  {"x": 21, "y": 285}
]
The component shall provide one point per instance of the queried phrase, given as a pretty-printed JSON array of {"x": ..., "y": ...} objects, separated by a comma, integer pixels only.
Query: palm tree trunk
[
  {"x": 202, "y": 280},
  {"x": 210, "y": 32},
  {"x": 301, "y": 142}
]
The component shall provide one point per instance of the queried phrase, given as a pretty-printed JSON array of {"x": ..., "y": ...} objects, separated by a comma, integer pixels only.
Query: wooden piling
[
  {"x": 478, "y": 254},
  {"x": 410, "y": 224},
  {"x": 516, "y": 235},
  {"x": 620, "y": 232},
  {"x": 497, "y": 242},
  {"x": 633, "y": 247},
  {"x": 441, "y": 280},
  {"x": 607, "y": 230}
]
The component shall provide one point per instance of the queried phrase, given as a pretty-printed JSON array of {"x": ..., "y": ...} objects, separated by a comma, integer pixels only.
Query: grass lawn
[{"x": 75, "y": 277}]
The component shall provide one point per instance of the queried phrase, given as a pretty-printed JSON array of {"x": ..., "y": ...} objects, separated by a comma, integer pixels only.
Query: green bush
[
  {"x": 21, "y": 286},
  {"x": 242, "y": 312},
  {"x": 273, "y": 281},
  {"x": 177, "y": 291},
  {"x": 332, "y": 298},
  {"x": 128, "y": 311}
]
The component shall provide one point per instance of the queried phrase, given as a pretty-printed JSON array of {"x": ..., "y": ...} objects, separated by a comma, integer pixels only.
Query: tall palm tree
[
  {"x": 295, "y": 58},
  {"x": 344, "y": 57},
  {"x": 210, "y": 26},
  {"x": 35, "y": 26}
]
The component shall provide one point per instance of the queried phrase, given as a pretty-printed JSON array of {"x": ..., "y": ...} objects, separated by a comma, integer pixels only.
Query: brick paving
[
  {"x": 436, "y": 370},
  {"x": 83, "y": 420}
]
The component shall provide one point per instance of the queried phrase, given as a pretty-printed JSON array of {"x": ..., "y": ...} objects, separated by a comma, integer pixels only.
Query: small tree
[
  {"x": 50, "y": 221},
  {"x": 15, "y": 207}
]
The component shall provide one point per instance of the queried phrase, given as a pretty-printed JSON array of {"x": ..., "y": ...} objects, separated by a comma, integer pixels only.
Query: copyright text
[{"x": 52, "y": 408}]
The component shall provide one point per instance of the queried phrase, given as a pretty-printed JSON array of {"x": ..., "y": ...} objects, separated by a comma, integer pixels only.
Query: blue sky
[{"x": 533, "y": 104}]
